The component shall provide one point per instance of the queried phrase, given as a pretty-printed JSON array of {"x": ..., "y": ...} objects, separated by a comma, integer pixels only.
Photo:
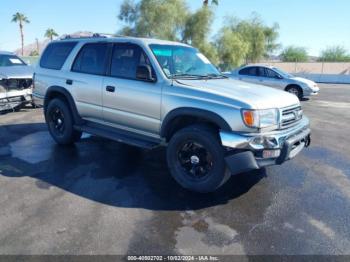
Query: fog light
[
  {"x": 271, "y": 153},
  {"x": 259, "y": 140}
]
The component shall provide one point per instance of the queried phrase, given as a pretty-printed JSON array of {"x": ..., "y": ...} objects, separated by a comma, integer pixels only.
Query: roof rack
[{"x": 94, "y": 35}]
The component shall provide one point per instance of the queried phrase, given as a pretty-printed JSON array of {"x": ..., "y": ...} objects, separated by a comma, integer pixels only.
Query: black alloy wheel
[{"x": 195, "y": 159}]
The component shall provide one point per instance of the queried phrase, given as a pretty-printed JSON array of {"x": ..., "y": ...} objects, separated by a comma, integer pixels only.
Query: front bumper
[
  {"x": 246, "y": 152},
  {"x": 311, "y": 92},
  {"x": 12, "y": 99},
  {"x": 38, "y": 99}
]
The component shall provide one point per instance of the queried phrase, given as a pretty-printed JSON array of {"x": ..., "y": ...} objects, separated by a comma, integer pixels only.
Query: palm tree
[
  {"x": 50, "y": 33},
  {"x": 21, "y": 19},
  {"x": 214, "y": 2}
]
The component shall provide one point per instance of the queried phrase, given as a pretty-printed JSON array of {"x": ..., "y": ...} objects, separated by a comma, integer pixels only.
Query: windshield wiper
[
  {"x": 212, "y": 76},
  {"x": 174, "y": 76},
  {"x": 208, "y": 76}
]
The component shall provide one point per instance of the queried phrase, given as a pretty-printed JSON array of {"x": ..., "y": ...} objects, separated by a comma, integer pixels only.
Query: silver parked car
[
  {"x": 277, "y": 78},
  {"x": 149, "y": 93},
  {"x": 15, "y": 82}
]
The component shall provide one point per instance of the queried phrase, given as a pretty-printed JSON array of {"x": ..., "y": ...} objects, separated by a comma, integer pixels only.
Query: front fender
[{"x": 193, "y": 112}]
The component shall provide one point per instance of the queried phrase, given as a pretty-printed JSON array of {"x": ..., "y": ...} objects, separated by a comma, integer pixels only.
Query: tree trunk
[{"x": 22, "y": 37}]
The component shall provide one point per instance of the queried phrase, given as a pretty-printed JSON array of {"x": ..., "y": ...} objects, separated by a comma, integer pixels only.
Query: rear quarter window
[
  {"x": 248, "y": 71},
  {"x": 56, "y": 54},
  {"x": 92, "y": 59}
]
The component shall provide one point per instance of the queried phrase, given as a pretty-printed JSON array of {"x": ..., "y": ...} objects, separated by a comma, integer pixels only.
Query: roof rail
[{"x": 94, "y": 35}]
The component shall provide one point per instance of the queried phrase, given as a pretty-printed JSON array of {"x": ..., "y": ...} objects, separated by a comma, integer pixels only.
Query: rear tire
[
  {"x": 60, "y": 123},
  {"x": 196, "y": 159},
  {"x": 295, "y": 90},
  {"x": 17, "y": 108}
]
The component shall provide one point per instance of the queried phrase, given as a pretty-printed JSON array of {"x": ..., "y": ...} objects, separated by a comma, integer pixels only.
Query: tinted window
[
  {"x": 92, "y": 59},
  {"x": 272, "y": 74},
  {"x": 261, "y": 71},
  {"x": 249, "y": 71},
  {"x": 56, "y": 54},
  {"x": 125, "y": 60}
]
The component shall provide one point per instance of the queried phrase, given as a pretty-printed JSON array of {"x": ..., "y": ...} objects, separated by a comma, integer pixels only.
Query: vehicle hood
[
  {"x": 16, "y": 72},
  {"x": 257, "y": 96},
  {"x": 304, "y": 81}
]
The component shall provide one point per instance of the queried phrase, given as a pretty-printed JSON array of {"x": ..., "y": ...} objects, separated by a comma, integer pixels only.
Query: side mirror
[
  {"x": 279, "y": 77},
  {"x": 144, "y": 73}
]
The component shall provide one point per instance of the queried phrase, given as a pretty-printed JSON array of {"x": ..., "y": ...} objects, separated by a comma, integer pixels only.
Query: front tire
[
  {"x": 295, "y": 90},
  {"x": 60, "y": 123},
  {"x": 196, "y": 159},
  {"x": 17, "y": 108}
]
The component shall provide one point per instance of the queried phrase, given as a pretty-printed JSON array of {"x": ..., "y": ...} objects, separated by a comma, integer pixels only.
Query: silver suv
[{"x": 151, "y": 93}]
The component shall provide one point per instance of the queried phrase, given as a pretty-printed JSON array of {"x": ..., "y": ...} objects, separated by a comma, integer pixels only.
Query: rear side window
[
  {"x": 56, "y": 54},
  {"x": 92, "y": 59},
  {"x": 248, "y": 71},
  {"x": 261, "y": 71}
]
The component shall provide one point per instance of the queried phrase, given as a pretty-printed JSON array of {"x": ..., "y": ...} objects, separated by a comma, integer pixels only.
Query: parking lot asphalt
[{"x": 102, "y": 197}]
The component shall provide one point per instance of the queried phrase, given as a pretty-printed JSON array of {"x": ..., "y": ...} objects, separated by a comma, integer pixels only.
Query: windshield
[
  {"x": 10, "y": 60},
  {"x": 282, "y": 73},
  {"x": 184, "y": 62}
]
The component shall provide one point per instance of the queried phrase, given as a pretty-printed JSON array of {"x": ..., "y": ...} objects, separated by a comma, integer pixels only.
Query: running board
[{"x": 119, "y": 135}]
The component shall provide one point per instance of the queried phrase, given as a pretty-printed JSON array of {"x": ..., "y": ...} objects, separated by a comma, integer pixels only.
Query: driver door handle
[{"x": 110, "y": 89}]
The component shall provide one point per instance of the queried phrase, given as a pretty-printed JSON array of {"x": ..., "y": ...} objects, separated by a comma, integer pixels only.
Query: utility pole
[{"x": 37, "y": 45}]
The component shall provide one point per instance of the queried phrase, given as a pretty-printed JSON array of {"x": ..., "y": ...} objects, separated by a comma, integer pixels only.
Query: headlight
[
  {"x": 312, "y": 86},
  {"x": 315, "y": 87},
  {"x": 260, "y": 118}
]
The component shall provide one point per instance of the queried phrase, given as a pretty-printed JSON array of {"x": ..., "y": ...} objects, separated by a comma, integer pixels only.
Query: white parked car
[
  {"x": 16, "y": 79},
  {"x": 275, "y": 77}
]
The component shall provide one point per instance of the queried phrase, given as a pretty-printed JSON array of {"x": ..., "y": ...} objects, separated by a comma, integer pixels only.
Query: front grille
[
  {"x": 290, "y": 117},
  {"x": 16, "y": 84}
]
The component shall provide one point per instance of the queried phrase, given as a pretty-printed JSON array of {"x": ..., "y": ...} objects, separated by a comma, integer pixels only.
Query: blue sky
[{"x": 312, "y": 24}]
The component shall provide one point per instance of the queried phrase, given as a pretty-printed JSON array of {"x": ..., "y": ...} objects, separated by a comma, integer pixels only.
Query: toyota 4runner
[{"x": 151, "y": 93}]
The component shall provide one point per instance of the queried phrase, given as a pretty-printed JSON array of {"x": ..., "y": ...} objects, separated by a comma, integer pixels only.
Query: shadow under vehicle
[{"x": 102, "y": 171}]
